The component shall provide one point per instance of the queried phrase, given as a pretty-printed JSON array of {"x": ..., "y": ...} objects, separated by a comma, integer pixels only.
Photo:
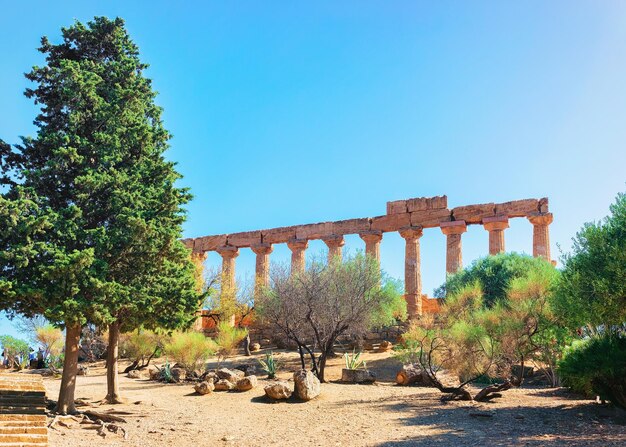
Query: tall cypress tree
[{"x": 93, "y": 213}]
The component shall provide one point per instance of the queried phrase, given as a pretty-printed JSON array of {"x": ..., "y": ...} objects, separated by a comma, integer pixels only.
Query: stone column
[
  {"x": 372, "y": 243},
  {"x": 262, "y": 273},
  {"x": 454, "y": 255},
  {"x": 298, "y": 248},
  {"x": 496, "y": 226},
  {"x": 334, "y": 244},
  {"x": 412, "y": 276},
  {"x": 228, "y": 254},
  {"x": 198, "y": 259},
  {"x": 541, "y": 235}
]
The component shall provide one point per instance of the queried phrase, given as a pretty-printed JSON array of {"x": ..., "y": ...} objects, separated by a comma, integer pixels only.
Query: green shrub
[
  {"x": 494, "y": 274},
  {"x": 353, "y": 361},
  {"x": 269, "y": 365},
  {"x": 141, "y": 346},
  {"x": 14, "y": 347},
  {"x": 227, "y": 338},
  {"x": 597, "y": 366},
  {"x": 189, "y": 349}
]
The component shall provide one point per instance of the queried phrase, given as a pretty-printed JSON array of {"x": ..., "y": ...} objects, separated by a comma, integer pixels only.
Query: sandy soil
[{"x": 350, "y": 415}]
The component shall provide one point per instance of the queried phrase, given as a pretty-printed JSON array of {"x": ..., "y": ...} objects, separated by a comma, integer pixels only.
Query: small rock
[
  {"x": 83, "y": 370},
  {"x": 136, "y": 374},
  {"x": 224, "y": 385},
  {"x": 306, "y": 385},
  {"x": 228, "y": 438},
  {"x": 248, "y": 370},
  {"x": 254, "y": 347},
  {"x": 211, "y": 377},
  {"x": 204, "y": 387},
  {"x": 247, "y": 383},
  {"x": 154, "y": 373},
  {"x": 232, "y": 375},
  {"x": 278, "y": 391},
  {"x": 178, "y": 374},
  {"x": 385, "y": 346}
]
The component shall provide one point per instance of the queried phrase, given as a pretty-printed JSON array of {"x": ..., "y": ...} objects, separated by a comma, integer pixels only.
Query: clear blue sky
[{"x": 298, "y": 112}]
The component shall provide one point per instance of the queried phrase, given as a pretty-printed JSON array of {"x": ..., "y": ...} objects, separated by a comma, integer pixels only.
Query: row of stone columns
[
  {"x": 412, "y": 277},
  {"x": 495, "y": 226}
]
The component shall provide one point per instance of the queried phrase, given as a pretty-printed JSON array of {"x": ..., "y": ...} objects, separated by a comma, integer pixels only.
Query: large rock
[
  {"x": 137, "y": 374},
  {"x": 247, "y": 383},
  {"x": 232, "y": 375},
  {"x": 204, "y": 387},
  {"x": 357, "y": 376},
  {"x": 211, "y": 377},
  {"x": 278, "y": 391},
  {"x": 224, "y": 385},
  {"x": 154, "y": 372},
  {"x": 178, "y": 374},
  {"x": 306, "y": 385}
]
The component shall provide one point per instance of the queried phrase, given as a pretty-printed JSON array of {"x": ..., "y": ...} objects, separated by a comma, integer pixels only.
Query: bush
[
  {"x": 50, "y": 339},
  {"x": 228, "y": 337},
  {"x": 140, "y": 347},
  {"x": 494, "y": 274},
  {"x": 597, "y": 365},
  {"x": 189, "y": 349},
  {"x": 15, "y": 351}
]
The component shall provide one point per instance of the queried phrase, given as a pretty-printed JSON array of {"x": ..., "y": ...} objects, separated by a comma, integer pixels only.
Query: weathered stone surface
[
  {"x": 357, "y": 376},
  {"x": 178, "y": 374},
  {"x": 204, "y": 387},
  {"x": 224, "y": 385},
  {"x": 543, "y": 205},
  {"x": 314, "y": 231},
  {"x": 188, "y": 243},
  {"x": 474, "y": 214},
  {"x": 391, "y": 222},
  {"x": 232, "y": 375},
  {"x": 351, "y": 226},
  {"x": 209, "y": 243},
  {"x": 278, "y": 391},
  {"x": 396, "y": 207},
  {"x": 426, "y": 203},
  {"x": 430, "y": 218},
  {"x": 248, "y": 370},
  {"x": 306, "y": 385},
  {"x": 518, "y": 208},
  {"x": 255, "y": 347},
  {"x": 138, "y": 374},
  {"x": 245, "y": 239},
  {"x": 154, "y": 373},
  {"x": 211, "y": 377},
  {"x": 83, "y": 370},
  {"x": 278, "y": 235},
  {"x": 247, "y": 383}
]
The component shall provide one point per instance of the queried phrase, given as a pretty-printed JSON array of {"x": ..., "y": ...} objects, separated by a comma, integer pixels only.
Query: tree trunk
[
  {"x": 65, "y": 404},
  {"x": 113, "y": 385},
  {"x": 409, "y": 374},
  {"x": 246, "y": 344},
  {"x": 322, "y": 366}
]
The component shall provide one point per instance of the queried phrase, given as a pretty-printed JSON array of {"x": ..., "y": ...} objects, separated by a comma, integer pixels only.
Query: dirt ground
[{"x": 344, "y": 415}]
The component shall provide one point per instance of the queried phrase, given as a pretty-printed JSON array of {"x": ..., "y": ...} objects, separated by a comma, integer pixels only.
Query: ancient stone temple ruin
[{"x": 407, "y": 217}]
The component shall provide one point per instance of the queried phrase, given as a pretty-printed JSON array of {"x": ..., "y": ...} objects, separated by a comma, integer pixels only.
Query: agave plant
[
  {"x": 269, "y": 365},
  {"x": 353, "y": 361},
  {"x": 166, "y": 373}
]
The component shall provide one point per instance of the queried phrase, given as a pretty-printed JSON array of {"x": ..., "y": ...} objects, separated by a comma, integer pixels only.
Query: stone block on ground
[
  {"x": 357, "y": 376},
  {"x": 247, "y": 383},
  {"x": 178, "y": 374},
  {"x": 205, "y": 387},
  {"x": 224, "y": 385},
  {"x": 278, "y": 391},
  {"x": 306, "y": 385},
  {"x": 232, "y": 375}
]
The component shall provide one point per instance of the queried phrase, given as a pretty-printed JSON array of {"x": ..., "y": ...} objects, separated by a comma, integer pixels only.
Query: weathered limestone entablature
[{"x": 403, "y": 216}]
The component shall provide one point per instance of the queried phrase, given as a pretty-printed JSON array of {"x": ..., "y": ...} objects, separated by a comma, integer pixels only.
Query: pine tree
[{"x": 93, "y": 213}]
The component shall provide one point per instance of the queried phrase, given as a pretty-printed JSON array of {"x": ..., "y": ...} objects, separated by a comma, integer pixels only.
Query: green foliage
[
  {"x": 592, "y": 290},
  {"x": 353, "y": 361},
  {"x": 494, "y": 275},
  {"x": 269, "y": 365},
  {"x": 50, "y": 339},
  {"x": 392, "y": 306},
  {"x": 93, "y": 214},
  {"x": 189, "y": 349},
  {"x": 141, "y": 344},
  {"x": 228, "y": 337},
  {"x": 14, "y": 347},
  {"x": 597, "y": 365},
  {"x": 166, "y": 373}
]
